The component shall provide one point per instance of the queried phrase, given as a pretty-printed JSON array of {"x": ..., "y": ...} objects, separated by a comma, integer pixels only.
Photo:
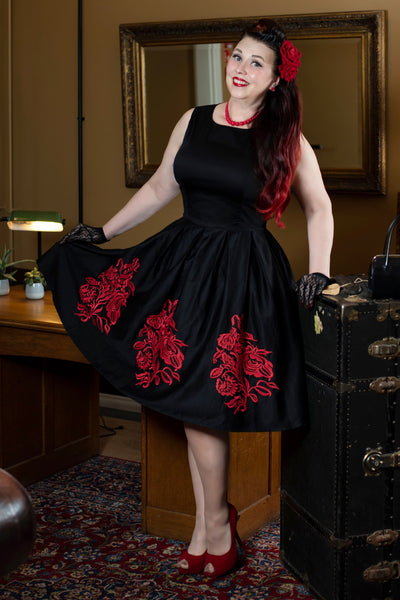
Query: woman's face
[{"x": 250, "y": 70}]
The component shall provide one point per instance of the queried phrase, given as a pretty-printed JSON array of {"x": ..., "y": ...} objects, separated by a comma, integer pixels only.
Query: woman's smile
[{"x": 238, "y": 82}]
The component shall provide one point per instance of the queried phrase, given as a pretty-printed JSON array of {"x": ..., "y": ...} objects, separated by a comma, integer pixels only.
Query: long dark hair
[{"x": 276, "y": 130}]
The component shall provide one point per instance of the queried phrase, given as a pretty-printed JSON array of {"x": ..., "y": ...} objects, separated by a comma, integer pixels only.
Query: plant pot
[
  {"x": 4, "y": 287},
  {"x": 34, "y": 291}
]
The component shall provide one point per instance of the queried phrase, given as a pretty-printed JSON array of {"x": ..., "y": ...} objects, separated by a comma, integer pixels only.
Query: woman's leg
[
  {"x": 208, "y": 452},
  {"x": 198, "y": 543}
]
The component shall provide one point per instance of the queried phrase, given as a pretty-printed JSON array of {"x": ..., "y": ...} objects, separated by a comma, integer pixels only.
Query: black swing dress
[{"x": 200, "y": 321}]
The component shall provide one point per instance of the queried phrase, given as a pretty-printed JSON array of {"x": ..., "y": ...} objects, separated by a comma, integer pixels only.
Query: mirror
[{"x": 170, "y": 67}]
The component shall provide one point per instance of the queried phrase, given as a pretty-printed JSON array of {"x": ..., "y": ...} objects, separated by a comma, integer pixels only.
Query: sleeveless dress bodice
[{"x": 215, "y": 170}]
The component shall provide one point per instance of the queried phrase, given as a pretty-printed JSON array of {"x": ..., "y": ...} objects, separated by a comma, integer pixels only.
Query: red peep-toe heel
[
  {"x": 225, "y": 562},
  {"x": 195, "y": 563}
]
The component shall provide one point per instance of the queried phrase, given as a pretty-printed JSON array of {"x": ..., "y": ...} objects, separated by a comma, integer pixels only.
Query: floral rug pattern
[{"x": 90, "y": 546}]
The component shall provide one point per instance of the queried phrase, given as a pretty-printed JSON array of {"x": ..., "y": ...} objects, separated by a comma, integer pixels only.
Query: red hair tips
[
  {"x": 277, "y": 129},
  {"x": 278, "y": 152}
]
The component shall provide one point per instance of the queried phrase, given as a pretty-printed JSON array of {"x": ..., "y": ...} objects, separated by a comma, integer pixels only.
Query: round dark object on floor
[{"x": 17, "y": 523}]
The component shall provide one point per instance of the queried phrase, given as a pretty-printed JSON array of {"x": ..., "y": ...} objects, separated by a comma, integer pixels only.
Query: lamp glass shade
[{"x": 35, "y": 220}]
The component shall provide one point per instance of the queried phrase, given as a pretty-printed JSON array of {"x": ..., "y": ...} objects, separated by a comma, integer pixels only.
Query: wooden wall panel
[
  {"x": 22, "y": 428},
  {"x": 48, "y": 415}
]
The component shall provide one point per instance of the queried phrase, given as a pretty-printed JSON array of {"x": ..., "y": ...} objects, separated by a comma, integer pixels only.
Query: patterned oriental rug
[{"x": 90, "y": 546}]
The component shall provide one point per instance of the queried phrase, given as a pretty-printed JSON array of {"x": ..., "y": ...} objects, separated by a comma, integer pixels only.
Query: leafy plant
[
  {"x": 34, "y": 276},
  {"x": 4, "y": 265}
]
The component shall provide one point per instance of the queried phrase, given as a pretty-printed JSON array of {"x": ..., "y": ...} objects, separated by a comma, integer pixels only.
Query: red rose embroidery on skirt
[
  {"x": 107, "y": 295},
  {"x": 159, "y": 356},
  {"x": 244, "y": 371}
]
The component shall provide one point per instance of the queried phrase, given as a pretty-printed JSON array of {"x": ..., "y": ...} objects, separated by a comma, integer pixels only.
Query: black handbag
[{"x": 384, "y": 270}]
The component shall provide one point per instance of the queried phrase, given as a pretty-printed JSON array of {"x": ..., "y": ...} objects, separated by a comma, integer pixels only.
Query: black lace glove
[
  {"x": 309, "y": 286},
  {"x": 85, "y": 233}
]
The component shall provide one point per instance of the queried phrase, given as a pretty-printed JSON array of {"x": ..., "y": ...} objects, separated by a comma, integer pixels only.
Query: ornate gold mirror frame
[{"x": 362, "y": 31}]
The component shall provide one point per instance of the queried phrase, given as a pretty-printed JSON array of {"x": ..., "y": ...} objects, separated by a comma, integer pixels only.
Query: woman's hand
[
  {"x": 309, "y": 286},
  {"x": 85, "y": 233}
]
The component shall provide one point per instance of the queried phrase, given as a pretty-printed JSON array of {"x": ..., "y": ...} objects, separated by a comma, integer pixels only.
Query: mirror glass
[{"x": 165, "y": 72}]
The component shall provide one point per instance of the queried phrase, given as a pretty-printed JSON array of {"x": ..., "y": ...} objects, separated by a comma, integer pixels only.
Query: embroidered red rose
[
  {"x": 157, "y": 321},
  {"x": 102, "y": 299},
  {"x": 255, "y": 362},
  {"x": 144, "y": 358},
  {"x": 144, "y": 379},
  {"x": 290, "y": 61},
  {"x": 229, "y": 361},
  {"x": 244, "y": 371},
  {"x": 227, "y": 385},
  {"x": 88, "y": 292},
  {"x": 228, "y": 340},
  {"x": 159, "y": 353},
  {"x": 114, "y": 309},
  {"x": 170, "y": 352}
]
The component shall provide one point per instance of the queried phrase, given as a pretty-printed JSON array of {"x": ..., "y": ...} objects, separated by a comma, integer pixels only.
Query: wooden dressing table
[{"x": 49, "y": 394}]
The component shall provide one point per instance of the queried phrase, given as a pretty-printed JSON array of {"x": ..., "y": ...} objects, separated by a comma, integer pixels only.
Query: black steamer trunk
[{"x": 340, "y": 494}]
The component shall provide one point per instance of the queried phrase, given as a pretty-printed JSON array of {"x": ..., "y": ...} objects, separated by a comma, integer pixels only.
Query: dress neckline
[{"x": 213, "y": 107}]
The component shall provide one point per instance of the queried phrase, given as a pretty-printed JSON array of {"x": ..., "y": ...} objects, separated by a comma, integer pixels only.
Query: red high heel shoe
[
  {"x": 195, "y": 563},
  {"x": 225, "y": 562}
]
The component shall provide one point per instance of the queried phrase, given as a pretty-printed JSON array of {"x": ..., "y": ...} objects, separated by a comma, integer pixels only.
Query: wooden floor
[{"x": 125, "y": 443}]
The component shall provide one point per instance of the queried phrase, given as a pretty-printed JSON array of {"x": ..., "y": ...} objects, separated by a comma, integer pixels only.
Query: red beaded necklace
[{"x": 239, "y": 123}]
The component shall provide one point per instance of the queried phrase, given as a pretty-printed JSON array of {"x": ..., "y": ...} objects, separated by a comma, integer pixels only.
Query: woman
[{"x": 200, "y": 321}]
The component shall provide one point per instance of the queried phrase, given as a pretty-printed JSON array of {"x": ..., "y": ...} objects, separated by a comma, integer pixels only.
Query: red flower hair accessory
[{"x": 290, "y": 61}]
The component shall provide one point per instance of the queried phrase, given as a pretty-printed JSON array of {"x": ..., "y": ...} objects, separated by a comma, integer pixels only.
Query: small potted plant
[
  {"x": 5, "y": 276},
  {"x": 34, "y": 284}
]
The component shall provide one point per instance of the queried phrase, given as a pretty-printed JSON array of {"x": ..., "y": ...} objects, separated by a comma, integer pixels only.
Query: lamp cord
[
  {"x": 111, "y": 430},
  {"x": 81, "y": 118}
]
